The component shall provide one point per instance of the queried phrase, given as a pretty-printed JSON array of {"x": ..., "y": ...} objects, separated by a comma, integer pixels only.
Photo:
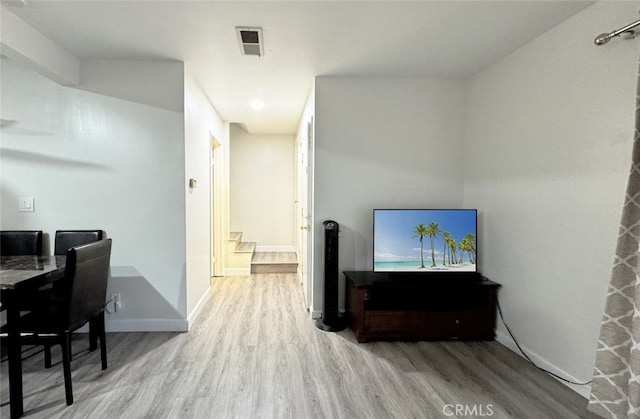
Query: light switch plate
[{"x": 25, "y": 204}]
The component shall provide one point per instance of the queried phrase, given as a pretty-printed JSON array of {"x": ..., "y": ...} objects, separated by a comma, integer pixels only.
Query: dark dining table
[{"x": 20, "y": 277}]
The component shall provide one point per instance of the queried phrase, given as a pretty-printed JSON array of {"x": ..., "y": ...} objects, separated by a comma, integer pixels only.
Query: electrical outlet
[{"x": 116, "y": 302}]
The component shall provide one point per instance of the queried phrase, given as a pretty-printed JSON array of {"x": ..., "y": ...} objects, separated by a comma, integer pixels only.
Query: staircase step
[
  {"x": 274, "y": 268},
  {"x": 274, "y": 257},
  {"x": 239, "y": 255},
  {"x": 274, "y": 262},
  {"x": 245, "y": 247}
]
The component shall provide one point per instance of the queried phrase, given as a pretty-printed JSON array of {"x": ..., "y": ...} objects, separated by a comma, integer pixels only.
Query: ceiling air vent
[{"x": 250, "y": 41}]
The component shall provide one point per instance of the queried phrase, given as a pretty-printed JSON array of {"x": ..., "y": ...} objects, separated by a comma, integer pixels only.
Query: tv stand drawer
[
  {"x": 394, "y": 321},
  {"x": 423, "y": 325}
]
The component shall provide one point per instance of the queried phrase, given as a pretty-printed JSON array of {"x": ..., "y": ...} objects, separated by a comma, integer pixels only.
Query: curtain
[{"x": 615, "y": 391}]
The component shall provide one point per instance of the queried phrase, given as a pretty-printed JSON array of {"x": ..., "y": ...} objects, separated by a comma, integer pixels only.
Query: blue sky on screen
[{"x": 394, "y": 230}]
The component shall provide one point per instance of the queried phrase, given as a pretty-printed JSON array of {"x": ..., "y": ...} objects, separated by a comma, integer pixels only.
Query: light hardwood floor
[{"x": 254, "y": 353}]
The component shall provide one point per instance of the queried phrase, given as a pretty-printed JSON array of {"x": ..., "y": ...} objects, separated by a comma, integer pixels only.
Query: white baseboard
[
  {"x": 148, "y": 325},
  {"x": 199, "y": 305},
  {"x": 268, "y": 248},
  {"x": 316, "y": 314},
  {"x": 584, "y": 391},
  {"x": 237, "y": 271}
]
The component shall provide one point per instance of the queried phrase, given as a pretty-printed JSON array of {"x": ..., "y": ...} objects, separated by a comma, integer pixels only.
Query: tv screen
[{"x": 424, "y": 240}]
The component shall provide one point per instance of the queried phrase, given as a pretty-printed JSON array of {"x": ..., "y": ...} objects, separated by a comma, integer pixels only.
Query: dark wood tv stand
[{"x": 390, "y": 306}]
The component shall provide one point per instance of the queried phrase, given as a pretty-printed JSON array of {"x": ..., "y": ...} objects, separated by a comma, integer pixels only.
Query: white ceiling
[{"x": 303, "y": 39}]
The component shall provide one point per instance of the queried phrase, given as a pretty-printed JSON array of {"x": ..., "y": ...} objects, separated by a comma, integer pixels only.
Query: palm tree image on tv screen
[{"x": 425, "y": 240}]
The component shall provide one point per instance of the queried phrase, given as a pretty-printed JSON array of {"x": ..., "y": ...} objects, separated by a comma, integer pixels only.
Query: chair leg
[
  {"x": 47, "y": 356},
  {"x": 66, "y": 364},
  {"x": 93, "y": 335},
  {"x": 103, "y": 339}
]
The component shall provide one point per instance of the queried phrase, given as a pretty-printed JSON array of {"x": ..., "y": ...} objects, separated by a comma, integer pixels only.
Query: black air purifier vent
[{"x": 331, "y": 320}]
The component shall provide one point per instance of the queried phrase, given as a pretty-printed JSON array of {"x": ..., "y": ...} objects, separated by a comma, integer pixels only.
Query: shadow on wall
[
  {"x": 38, "y": 158},
  {"x": 155, "y": 83},
  {"x": 142, "y": 308}
]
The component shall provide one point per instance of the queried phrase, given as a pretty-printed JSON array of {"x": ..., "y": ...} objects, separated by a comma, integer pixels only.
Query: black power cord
[{"x": 529, "y": 359}]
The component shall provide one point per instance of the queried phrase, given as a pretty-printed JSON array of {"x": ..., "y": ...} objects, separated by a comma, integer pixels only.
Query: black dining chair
[
  {"x": 66, "y": 239},
  {"x": 81, "y": 299},
  {"x": 21, "y": 242}
]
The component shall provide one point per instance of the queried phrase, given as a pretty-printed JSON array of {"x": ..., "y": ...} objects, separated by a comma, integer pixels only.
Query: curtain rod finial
[{"x": 602, "y": 39}]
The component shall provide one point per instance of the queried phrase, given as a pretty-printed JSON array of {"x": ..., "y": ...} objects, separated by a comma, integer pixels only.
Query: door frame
[
  {"x": 215, "y": 199},
  {"x": 304, "y": 209}
]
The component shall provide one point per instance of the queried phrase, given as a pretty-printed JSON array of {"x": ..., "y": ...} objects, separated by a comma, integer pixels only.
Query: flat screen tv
[{"x": 425, "y": 240}]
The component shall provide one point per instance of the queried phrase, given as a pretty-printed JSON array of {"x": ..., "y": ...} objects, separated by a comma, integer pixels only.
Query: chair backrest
[
  {"x": 66, "y": 239},
  {"x": 86, "y": 277},
  {"x": 21, "y": 242}
]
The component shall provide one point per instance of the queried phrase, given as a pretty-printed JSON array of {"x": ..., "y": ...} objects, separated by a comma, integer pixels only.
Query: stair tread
[
  {"x": 276, "y": 258},
  {"x": 235, "y": 236},
  {"x": 245, "y": 247}
]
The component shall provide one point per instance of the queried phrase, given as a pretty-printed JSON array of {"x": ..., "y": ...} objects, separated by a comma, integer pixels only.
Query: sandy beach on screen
[{"x": 466, "y": 267}]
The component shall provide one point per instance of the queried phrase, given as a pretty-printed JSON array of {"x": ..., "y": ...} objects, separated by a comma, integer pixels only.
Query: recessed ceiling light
[{"x": 257, "y": 104}]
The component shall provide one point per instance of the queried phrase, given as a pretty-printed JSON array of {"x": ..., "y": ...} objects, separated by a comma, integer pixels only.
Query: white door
[
  {"x": 212, "y": 203},
  {"x": 216, "y": 212},
  {"x": 303, "y": 210}
]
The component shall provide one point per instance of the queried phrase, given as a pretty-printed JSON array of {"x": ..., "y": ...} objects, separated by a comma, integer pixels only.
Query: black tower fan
[{"x": 331, "y": 320}]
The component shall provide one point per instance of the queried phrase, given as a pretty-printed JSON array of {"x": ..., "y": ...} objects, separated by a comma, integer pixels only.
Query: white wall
[
  {"x": 382, "y": 143},
  {"x": 201, "y": 123},
  {"x": 548, "y": 145},
  {"x": 97, "y": 160},
  {"x": 263, "y": 189}
]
